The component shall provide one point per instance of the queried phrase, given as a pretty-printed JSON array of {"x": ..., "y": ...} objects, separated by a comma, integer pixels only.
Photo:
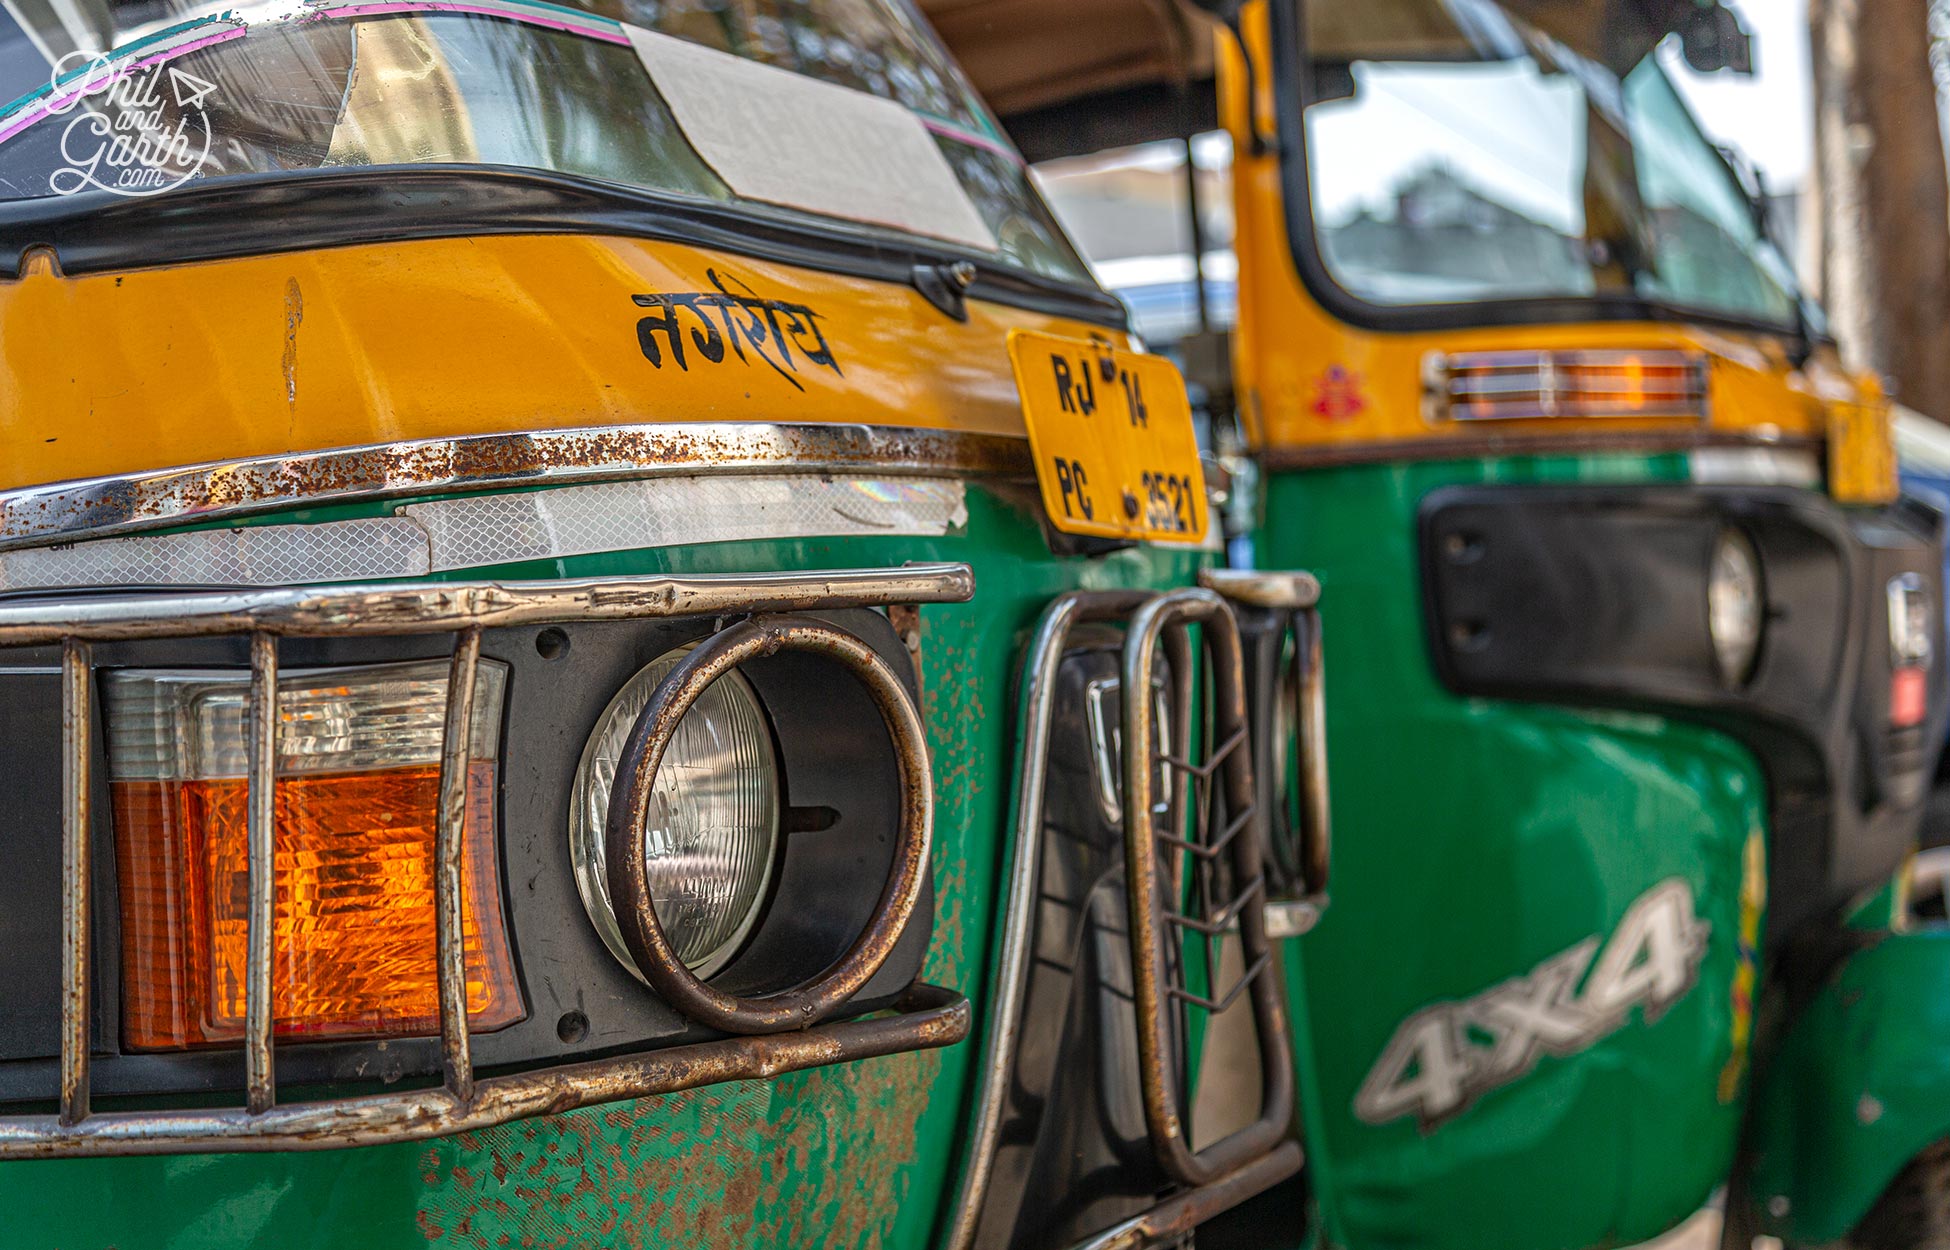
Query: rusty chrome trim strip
[
  {"x": 62, "y": 512},
  {"x": 448, "y": 607},
  {"x": 1262, "y": 588},
  {"x": 77, "y": 722},
  {"x": 1296, "y": 595},
  {"x": 260, "y": 862},
  {"x": 939, "y": 1017},
  {"x": 1291, "y": 917},
  {"x": 1025, "y": 865},
  {"x": 927, "y": 1017},
  {"x": 1229, "y": 763},
  {"x": 1181, "y": 1213},
  {"x": 1317, "y": 854},
  {"x": 629, "y": 813},
  {"x": 456, "y": 754}
]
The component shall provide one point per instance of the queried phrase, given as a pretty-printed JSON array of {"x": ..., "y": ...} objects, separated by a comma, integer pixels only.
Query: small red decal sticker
[{"x": 1337, "y": 395}]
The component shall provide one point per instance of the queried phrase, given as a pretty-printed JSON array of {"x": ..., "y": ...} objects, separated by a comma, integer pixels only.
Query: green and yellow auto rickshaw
[
  {"x": 566, "y": 577},
  {"x": 1637, "y": 687}
]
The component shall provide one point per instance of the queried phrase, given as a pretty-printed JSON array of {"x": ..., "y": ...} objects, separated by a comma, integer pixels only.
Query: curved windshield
[
  {"x": 1456, "y": 153},
  {"x": 139, "y": 97}
]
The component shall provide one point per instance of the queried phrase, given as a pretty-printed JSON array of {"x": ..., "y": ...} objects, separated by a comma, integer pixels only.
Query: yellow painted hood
[{"x": 130, "y": 372}]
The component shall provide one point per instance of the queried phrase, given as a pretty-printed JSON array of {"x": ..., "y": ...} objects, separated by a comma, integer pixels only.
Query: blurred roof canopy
[
  {"x": 1061, "y": 74},
  {"x": 1080, "y": 76}
]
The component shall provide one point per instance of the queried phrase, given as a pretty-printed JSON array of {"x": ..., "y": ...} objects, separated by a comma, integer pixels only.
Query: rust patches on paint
[
  {"x": 751, "y": 1163},
  {"x": 906, "y": 620},
  {"x": 819, "y": 1157},
  {"x": 294, "y": 316},
  {"x": 970, "y": 755}
]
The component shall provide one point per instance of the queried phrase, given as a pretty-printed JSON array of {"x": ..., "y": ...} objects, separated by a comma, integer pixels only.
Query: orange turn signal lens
[{"x": 358, "y": 777}]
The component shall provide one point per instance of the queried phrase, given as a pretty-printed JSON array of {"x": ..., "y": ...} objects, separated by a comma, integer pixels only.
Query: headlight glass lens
[
  {"x": 1735, "y": 605},
  {"x": 712, "y": 834}
]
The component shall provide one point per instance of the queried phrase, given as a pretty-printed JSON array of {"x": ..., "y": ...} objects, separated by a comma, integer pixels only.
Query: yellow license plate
[
  {"x": 1861, "y": 453},
  {"x": 1111, "y": 431}
]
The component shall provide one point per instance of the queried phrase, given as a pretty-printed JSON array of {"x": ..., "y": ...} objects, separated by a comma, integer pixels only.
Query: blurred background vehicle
[{"x": 1628, "y": 618}]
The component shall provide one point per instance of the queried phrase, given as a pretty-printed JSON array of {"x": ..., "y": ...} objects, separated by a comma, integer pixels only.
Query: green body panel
[
  {"x": 849, "y": 1156},
  {"x": 1475, "y": 839},
  {"x": 1859, "y": 1084}
]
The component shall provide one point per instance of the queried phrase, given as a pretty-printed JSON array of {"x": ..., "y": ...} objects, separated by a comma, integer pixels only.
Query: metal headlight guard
[
  {"x": 1279, "y": 627},
  {"x": 1198, "y": 875},
  {"x": 1156, "y": 909},
  {"x": 643, "y": 932},
  {"x": 925, "y": 1017}
]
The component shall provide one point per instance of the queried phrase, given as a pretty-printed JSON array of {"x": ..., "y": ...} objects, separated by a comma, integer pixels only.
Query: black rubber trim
[
  {"x": 1291, "y": 145},
  {"x": 262, "y": 214}
]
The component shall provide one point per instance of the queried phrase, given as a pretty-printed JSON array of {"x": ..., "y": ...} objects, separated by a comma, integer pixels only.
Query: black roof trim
[{"x": 261, "y": 214}]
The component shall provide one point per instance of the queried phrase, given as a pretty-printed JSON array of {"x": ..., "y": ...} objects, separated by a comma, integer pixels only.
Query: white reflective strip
[
  {"x": 784, "y": 138},
  {"x": 264, "y": 555},
  {"x": 624, "y": 516},
  {"x": 1755, "y": 466},
  {"x": 501, "y": 529}
]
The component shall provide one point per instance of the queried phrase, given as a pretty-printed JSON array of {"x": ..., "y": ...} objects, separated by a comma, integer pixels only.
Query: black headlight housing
[{"x": 1600, "y": 596}]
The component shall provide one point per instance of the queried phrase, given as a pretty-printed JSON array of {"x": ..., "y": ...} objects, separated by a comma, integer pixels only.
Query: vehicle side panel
[{"x": 1492, "y": 852}]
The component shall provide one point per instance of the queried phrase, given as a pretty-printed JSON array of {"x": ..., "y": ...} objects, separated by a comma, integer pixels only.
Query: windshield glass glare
[
  {"x": 1456, "y": 153},
  {"x": 141, "y": 96}
]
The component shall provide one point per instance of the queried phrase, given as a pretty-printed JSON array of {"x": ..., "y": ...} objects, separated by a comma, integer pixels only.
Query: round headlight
[
  {"x": 713, "y": 827},
  {"x": 1735, "y": 605}
]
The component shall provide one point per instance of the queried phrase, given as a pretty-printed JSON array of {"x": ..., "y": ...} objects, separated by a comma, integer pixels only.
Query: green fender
[
  {"x": 1485, "y": 839},
  {"x": 854, "y": 1155},
  {"x": 1860, "y": 1084}
]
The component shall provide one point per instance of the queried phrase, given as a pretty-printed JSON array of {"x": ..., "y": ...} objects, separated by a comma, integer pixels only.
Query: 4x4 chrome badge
[{"x": 1445, "y": 1056}]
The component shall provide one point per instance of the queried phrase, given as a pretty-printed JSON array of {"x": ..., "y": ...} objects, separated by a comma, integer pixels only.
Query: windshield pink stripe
[
  {"x": 973, "y": 138},
  {"x": 51, "y": 104},
  {"x": 528, "y": 18}
]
